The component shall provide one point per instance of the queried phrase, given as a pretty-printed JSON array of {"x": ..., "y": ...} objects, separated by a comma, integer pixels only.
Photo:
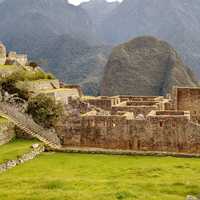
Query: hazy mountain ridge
[
  {"x": 57, "y": 34},
  {"x": 145, "y": 66},
  {"x": 74, "y": 41},
  {"x": 176, "y": 21},
  {"x": 53, "y": 17},
  {"x": 75, "y": 61},
  {"x": 99, "y": 10}
]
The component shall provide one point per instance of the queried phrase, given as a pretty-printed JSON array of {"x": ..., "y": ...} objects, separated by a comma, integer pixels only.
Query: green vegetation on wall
[
  {"x": 8, "y": 83},
  {"x": 44, "y": 110}
]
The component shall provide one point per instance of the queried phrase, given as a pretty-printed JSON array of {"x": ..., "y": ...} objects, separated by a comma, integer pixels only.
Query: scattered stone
[
  {"x": 35, "y": 146},
  {"x": 189, "y": 197},
  {"x": 26, "y": 157}
]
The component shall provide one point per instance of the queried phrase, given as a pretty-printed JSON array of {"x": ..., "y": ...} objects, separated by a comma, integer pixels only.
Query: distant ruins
[
  {"x": 2, "y": 54},
  {"x": 169, "y": 124},
  {"x": 12, "y": 57},
  {"x": 138, "y": 123}
]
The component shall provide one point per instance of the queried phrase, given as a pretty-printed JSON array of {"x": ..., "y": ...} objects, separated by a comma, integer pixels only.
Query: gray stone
[
  {"x": 35, "y": 146},
  {"x": 189, "y": 197}
]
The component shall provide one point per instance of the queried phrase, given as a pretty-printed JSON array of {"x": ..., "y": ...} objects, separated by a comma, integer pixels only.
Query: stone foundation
[{"x": 164, "y": 131}]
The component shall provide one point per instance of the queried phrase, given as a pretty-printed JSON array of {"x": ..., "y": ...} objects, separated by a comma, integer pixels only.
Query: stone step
[{"x": 28, "y": 125}]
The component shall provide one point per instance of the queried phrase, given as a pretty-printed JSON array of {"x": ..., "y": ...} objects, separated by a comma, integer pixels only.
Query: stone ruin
[
  {"x": 2, "y": 54},
  {"x": 12, "y": 57},
  {"x": 140, "y": 123}
]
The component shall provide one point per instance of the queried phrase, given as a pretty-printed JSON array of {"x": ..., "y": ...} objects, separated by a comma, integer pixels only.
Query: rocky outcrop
[
  {"x": 175, "y": 21},
  {"x": 145, "y": 66},
  {"x": 99, "y": 10},
  {"x": 2, "y": 54},
  {"x": 75, "y": 61}
]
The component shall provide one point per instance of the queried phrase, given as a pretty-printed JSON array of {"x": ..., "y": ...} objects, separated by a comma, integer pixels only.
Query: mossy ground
[
  {"x": 14, "y": 149},
  {"x": 60, "y": 176}
]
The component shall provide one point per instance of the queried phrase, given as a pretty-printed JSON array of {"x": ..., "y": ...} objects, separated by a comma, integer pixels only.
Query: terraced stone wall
[{"x": 7, "y": 131}]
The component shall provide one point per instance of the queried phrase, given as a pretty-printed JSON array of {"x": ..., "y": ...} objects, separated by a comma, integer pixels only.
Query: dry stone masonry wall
[
  {"x": 36, "y": 150},
  {"x": 140, "y": 123}
]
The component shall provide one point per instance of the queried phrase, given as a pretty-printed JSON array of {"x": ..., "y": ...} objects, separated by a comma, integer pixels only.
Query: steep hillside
[
  {"x": 145, "y": 66},
  {"x": 74, "y": 61},
  {"x": 35, "y": 23},
  {"x": 41, "y": 17},
  {"x": 58, "y": 33},
  {"x": 175, "y": 21},
  {"x": 98, "y": 10}
]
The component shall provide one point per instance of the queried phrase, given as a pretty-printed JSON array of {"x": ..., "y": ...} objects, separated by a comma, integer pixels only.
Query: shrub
[
  {"x": 33, "y": 65},
  {"x": 8, "y": 83},
  {"x": 44, "y": 110}
]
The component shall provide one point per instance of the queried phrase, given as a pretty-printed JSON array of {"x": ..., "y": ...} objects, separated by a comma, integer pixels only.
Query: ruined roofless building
[
  {"x": 2, "y": 54},
  {"x": 22, "y": 59},
  {"x": 140, "y": 123}
]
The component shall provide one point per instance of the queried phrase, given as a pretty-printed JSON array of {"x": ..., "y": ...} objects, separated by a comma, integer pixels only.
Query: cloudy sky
[{"x": 76, "y": 2}]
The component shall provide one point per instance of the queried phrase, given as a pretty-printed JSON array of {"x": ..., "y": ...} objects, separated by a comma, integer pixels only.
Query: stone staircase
[{"x": 27, "y": 124}]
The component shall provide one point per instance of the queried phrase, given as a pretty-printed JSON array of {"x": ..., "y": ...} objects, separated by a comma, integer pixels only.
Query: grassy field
[
  {"x": 59, "y": 176},
  {"x": 13, "y": 149}
]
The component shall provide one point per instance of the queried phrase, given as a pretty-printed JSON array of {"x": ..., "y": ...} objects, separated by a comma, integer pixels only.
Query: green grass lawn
[
  {"x": 15, "y": 148},
  {"x": 60, "y": 176}
]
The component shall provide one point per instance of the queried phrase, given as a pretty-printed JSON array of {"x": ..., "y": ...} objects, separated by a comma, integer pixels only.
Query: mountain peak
[{"x": 145, "y": 66}]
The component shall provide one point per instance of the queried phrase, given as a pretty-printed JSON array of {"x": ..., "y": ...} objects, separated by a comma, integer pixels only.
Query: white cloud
[{"x": 77, "y": 2}]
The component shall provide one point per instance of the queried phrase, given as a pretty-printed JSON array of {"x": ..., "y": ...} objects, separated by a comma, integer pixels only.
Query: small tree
[
  {"x": 45, "y": 111},
  {"x": 34, "y": 65}
]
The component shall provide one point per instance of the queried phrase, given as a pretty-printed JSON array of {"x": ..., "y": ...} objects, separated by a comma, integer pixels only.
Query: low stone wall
[
  {"x": 37, "y": 149},
  {"x": 89, "y": 150},
  {"x": 156, "y": 133},
  {"x": 137, "y": 110},
  {"x": 189, "y": 197}
]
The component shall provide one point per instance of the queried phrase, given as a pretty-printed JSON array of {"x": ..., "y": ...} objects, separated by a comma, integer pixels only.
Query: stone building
[
  {"x": 64, "y": 95},
  {"x": 2, "y": 54},
  {"x": 165, "y": 124},
  {"x": 38, "y": 85},
  {"x": 22, "y": 59},
  {"x": 186, "y": 98}
]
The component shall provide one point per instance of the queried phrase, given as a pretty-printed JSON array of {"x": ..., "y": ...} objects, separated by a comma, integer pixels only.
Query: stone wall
[
  {"x": 63, "y": 95},
  {"x": 38, "y": 85},
  {"x": 7, "y": 132},
  {"x": 72, "y": 86},
  {"x": 171, "y": 133},
  {"x": 125, "y": 103},
  {"x": 140, "y": 98},
  {"x": 187, "y": 99},
  {"x": 2, "y": 54},
  {"x": 137, "y": 110},
  {"x": 104, "y": 104},
  {"x": 22, "y": 59}
]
